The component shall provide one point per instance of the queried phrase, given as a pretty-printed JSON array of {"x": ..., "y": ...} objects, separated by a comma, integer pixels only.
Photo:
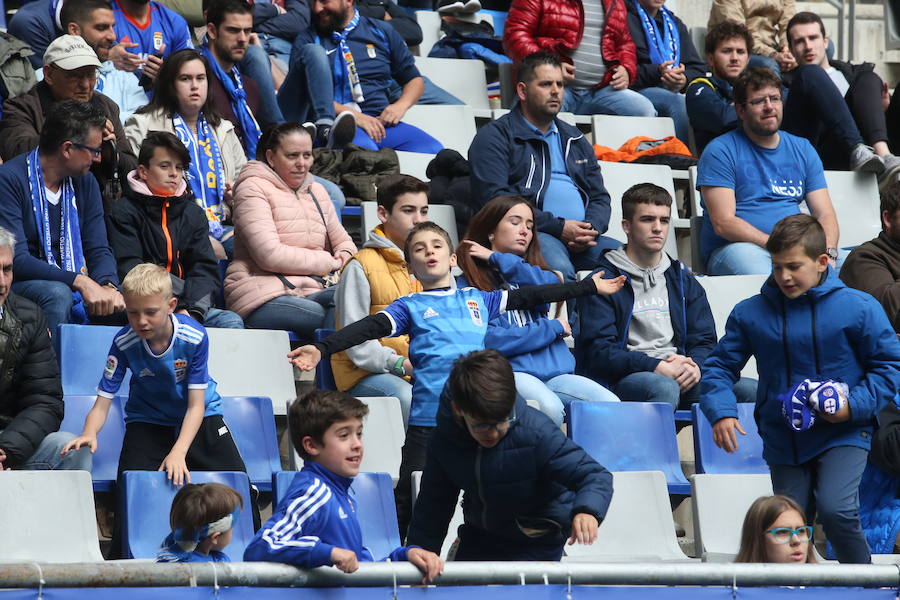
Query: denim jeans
[
  {"x": 256, "y": 66},
  {"x": 292, "y": 313},
  {"x": 431, "y": 95},
  {"x": 222, "y": 319},
  {"x": 647, "y": 386},
  {"x": 46, "y": 456},
  {"x": 54, "y": 298},
  {"x": 828, "y": 487},
  {"x": 401, "y": 136},
  {"x": 670, "y": 104},
  {"x": 279, "y": 49},
  {"x": 556, "y": 393},
  {"x": 758, "y": 60},
  {"x": 744, "y": 258},
  {"x": 607, "y": 101},
  {"x": 385, "y": 384},
  {"x": 307, "y": 93},
  {"x": 560, "y": 259}
]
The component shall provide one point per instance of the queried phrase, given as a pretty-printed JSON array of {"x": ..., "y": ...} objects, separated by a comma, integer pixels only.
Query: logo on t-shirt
[
  {"x": 145, "y": 372},
  {"x": 474, "y": 312},
  {"x": 111, "y": 363},
  {"x": 180, "y": 369},
  {"x": 341, "y": 512},
  {"x": 430, "y": 312},
  {"x": 157, "y": 40},
  {"x": 787, "y": 188}
]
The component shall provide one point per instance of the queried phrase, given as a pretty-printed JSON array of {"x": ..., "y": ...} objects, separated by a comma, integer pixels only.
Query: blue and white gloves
[{"x": 808, "y": 399}]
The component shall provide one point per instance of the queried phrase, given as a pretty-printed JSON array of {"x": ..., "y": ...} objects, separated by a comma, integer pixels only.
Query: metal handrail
[{"x": 842, "y": 51}]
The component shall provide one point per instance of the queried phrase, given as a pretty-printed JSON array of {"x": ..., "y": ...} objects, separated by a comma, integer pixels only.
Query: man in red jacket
[{"x": 591, "y": 39}]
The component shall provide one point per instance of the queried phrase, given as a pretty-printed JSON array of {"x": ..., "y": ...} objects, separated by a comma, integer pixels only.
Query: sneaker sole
[
  {"x": 452, "y": 8},
  {"x": 342, "y": 132},
  {"x": 873, "y": 165},
  {"x": 887, "y": 178}
]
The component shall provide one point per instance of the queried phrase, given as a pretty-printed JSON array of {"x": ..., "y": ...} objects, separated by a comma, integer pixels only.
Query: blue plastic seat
[
  {"x": 252, "y": 426},
  {"x": 375, "y": 508},
  {"x": 109, "y": 440},
  {"x": 146, "y": 499},
  {"x": 82, "y": 351},
  {"x": 709, "y": 458},
  {"x": 324, "y": 374},
  {"x": 629, "y": 436}
]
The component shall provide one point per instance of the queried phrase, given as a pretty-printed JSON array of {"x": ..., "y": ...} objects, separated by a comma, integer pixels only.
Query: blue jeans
[
  {"x": 670, "y": 104},
  {"x": 758, "y": 60},
  {"x": 54, "y": 298},
  {"x": 556, "y": 393},
  {"x": 560, "y": 259},
  {"x": 292, "y": 313},
  {"x": 744, "y": 258},
  {"x": 401, "y": 136},
  {"x": 431, "y": 95},
  {"x": 385, "y": 384},
  {"x": 279, "y": 49},
  {"x": 828, "y": 486},
  {"x": 46, "y": 456},
  {"x": 307, "y": 93},
  {"x": 607, "y": 101},
  {"x": 334, "y": 192},
  {"x": 256, "y": 66},
  {"x": 223, "y": 319},
  {"x": 647, "y": 386}
]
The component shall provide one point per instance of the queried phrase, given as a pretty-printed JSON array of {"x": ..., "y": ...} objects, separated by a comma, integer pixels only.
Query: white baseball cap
[{"x": 70, "y": 52}]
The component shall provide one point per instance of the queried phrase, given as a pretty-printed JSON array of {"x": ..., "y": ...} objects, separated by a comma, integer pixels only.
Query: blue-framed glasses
[
  {"x": 783, "y": 535},
  {"x": 91, "y": 149},
  {"x": 500, "y": 426}
]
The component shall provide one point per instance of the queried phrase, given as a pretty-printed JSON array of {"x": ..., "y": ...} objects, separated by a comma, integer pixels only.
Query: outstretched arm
[{"x": 535, "y": 295}]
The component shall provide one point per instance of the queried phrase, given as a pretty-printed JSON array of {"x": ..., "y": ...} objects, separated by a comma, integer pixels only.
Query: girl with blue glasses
[{"x": 775, "y": 531}]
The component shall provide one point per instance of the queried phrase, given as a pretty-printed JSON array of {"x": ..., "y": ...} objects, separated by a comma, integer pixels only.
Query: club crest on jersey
[
  {"x": 110, "y": 369},
  {"x": 474, "y": 312},
  {"x": 157, "y": 40},
  {"x": 180, "y": 368}
]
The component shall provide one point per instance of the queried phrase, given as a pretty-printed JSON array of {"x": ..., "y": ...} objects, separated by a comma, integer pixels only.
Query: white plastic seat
[
  {"x": 48, "y": 516},
  {"x": 724, "y": 292},
  {"x": 455, "y": 521},
  {"x": 384, "y": 436},
  {"x": 463, "y": 78},
  {"x": 857, "y": 205},
  {"x": 414, "y": 163},
  {"x": 720, "y": 503},
  {"x": 614, "y": 130},
  {"x": 442, "y": 214},
  {"x": 452, "y": 126},
  {"x": 638, "y": 526}
]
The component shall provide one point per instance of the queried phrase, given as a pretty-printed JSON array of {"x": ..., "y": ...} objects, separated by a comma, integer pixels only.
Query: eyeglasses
[
  {"x": 783, "y": 535},
  {"x": 500, "y": 426},
  {"x": 757, "y": 102},
  {"x": 91, "y": 149}
]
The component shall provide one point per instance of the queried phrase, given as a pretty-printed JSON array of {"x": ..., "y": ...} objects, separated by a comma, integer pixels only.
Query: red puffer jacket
[{"x": 557, "y": 26}]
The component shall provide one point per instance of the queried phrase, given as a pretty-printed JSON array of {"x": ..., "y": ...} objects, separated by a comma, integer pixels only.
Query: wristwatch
[
  {"x": 832, "y": 253},
  {"x": 399, "y": 370}
]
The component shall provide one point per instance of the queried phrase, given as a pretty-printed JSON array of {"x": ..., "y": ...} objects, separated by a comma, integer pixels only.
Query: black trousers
[{"x": 413, "y": 459}]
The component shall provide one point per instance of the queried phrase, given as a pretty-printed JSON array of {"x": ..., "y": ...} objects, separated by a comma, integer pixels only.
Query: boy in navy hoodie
[
  {"x": 316, "y": 523},
  {"x": 828, "y": 360}
]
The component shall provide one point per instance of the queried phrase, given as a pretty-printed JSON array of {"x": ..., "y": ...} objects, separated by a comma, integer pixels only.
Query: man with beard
[
  {"x": 344, "y": 65},
  {"x": 752, "y": 177}
]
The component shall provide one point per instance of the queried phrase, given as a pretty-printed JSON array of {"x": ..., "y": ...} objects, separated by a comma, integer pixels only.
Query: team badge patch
[
  {"x": 474, "y": 312},
  {"x": 180, "y": 369},
  {"x": 157, "y": 40},
  {"x": 110, "y": 369}
]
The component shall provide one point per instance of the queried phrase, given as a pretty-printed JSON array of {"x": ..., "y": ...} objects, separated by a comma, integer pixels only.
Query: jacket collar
[
  {"x": 138, "y": 192},
  {"x": 522, "y": 129},
  {"x": 335, "y": 481}
]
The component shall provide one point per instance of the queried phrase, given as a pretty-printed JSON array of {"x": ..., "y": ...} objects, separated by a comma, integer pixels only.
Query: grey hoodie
[{"x": 650, "y": 330}]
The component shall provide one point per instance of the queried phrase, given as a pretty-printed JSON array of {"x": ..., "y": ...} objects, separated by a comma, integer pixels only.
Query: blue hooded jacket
[
  {"x": 601, "y": 350},
  {"x": 535, "y": 477},
  {"x": 829, "y": 332},
  {"x": 531, "y": 341}
]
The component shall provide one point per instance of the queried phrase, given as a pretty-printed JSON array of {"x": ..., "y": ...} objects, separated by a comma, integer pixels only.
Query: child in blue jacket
[
  {"x": 806, "y": 328},
  {"x": 316, "y": 523}
]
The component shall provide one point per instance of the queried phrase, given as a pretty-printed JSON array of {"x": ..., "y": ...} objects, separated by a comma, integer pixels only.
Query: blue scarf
[
  {"x": 347, "y": 87},
  {"x": 71, "y": 257},
  {"x": 205, "y": 174},
  {"x": 667, "y": 48},
  {"x": 234, "y": 86}
]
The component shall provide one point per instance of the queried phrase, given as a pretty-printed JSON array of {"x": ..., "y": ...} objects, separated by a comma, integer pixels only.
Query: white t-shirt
[
  {"x": 53, "y": 197},
  {"x": 839, "y": 80}
]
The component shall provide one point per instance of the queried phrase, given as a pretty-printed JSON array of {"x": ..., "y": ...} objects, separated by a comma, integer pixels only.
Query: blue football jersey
[
  {"x": 165, "y": 27},
  {"x": 442, "y": 326},
  {"x": 159, "y": 383}
]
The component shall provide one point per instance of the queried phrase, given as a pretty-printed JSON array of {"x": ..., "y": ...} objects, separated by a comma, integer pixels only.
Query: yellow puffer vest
[{"x": 389, "y": 279}]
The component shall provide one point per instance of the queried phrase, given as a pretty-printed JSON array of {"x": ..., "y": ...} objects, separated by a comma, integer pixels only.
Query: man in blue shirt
[
  {"x": 754, "y": 176},
  {"x": 531, "y": 153},
  {"x": 151, "y": 31}
]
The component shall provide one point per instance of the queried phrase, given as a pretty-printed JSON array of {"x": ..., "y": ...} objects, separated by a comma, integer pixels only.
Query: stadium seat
[
  {"x": 430, "y": 22},
  {"x": 638, "y": 526},
  {"x": 324, "y": 374},
  {"x": 719, "y": 504},
  {"x": 48, "y": 516},
  {"x": 723, "y": 293},
  {"x": 629, "y": 436},
  {"x": 109, "y": 440},
  {"x": 375, "y": 509},
  {"x": 253, "y": 429},
  {"x": 463, "y": 78},
  {"x": 442, "y": 214},
  {"x": 455, "y": 521},
  {"x": 146, "y": 499},
  {"x": 709, "y": 458},
  {"x": 618, "y": 177},
  {"x": 414, "y": 163},
  {"x": 614, "y": 130},
  {"x": 81, "y": 351},
  {"x": 452, "y": 126},
  {"x": 857, "y": 204}
]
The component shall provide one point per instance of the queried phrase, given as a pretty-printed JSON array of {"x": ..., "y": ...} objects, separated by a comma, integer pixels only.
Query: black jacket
[
  {"x": 172, "y": 233},
  {"x": 405, "y": 25},
  {"x": 31, "y": 399},
  {"x": 647, "y": 72},
  {"x": 267, "y": 19}
]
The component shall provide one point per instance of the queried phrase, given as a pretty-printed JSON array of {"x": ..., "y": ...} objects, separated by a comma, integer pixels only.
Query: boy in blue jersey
[
  {"x": 443, "y": 323},
  {"x": 316, "y": 524},
  {"x": 149, "y": 32},
  {"x": 173, "y": 417},
  {"x": 202, "y": 518}
]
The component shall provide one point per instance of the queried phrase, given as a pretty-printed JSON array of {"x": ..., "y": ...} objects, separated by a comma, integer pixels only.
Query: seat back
[
  {"x": 146, "y": 500},
  {"x": 252, "y": 426},
  {"x": 452, "y": 126},
  {"x": 48, "y": 516},
  {"x": 463, "y": 78},
  {"x": 415, "y": 163},
  {"x": 105, "y": 461},
  {"x": 856, "y": 202},
  {"x": 324, "y": 374},
  {"x": 441, "y": 214},
  {"x": 82, "y": 351},
  {"x": 455, "y": 521},
  {"x": 618, "y": 177},
  {"x": 720, "y": 503},
  {"x": 430, "y": 22},
  {"x": 709, "y": 458},
  {"x": 613, "y": 130},
  {"x": 384, "y": 435},
  {"x": 375, "y": 509},
  {"x": 629, "y": 436},
  {"x": 638, "y": 526}
]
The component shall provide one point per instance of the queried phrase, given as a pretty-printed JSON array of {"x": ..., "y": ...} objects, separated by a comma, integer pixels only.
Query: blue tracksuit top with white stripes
[{"x": 317, "y": 514}]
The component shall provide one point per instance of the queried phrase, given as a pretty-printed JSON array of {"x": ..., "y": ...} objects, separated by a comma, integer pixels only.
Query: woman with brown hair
[
  {"x": 501, "y": 251},
  {"x": 775, "y": 531}
]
